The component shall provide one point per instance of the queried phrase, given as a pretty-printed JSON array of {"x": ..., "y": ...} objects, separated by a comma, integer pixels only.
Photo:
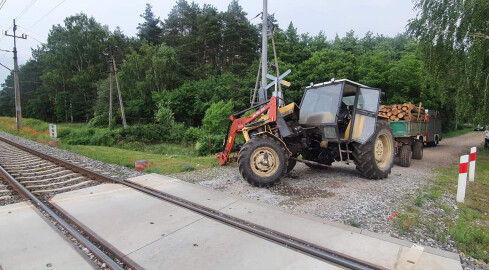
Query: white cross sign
[{"x": 279, "y": 79}]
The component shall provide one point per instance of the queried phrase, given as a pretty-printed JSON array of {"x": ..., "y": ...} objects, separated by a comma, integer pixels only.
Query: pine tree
[{"x": 150, "y": 29}]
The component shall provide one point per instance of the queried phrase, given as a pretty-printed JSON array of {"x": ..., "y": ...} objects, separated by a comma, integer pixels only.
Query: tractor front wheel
[
  {"x": 262, "y": 161},
  {"x": 375, "y": 158}
]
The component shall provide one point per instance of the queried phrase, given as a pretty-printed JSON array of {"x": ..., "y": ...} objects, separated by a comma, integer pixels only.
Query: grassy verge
[
  {"x": 455, "y": 133},
  {"x": 470, "y": 228},
  {"x": 163, "y": 164},
  {"x": 165, "y": 158}
]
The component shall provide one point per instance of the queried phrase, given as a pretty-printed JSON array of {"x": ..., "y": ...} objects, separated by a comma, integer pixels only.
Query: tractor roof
[{"x": 338, "y": 81}]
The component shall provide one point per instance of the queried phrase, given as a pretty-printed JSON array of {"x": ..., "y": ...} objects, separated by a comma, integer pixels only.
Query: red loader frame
[{"x": 237, "y": 125}]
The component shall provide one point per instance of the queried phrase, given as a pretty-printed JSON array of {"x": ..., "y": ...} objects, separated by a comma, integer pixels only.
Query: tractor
[{"x": 336, "y": 121}]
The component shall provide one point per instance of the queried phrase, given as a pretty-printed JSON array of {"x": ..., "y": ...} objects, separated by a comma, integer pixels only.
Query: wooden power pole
[
  {"x": 18, "y": 110},
  {"x": 113, "y": 73}
]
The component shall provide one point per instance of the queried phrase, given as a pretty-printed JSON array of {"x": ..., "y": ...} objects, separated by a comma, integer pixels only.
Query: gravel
[{"x": 342, "y": 195}]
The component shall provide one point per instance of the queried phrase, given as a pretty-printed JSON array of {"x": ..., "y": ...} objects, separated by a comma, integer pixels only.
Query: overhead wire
[
  {"x": 45, "y": 15},
  {"x": 26, "y": 8},
  {"x": 2, "y": 3}
]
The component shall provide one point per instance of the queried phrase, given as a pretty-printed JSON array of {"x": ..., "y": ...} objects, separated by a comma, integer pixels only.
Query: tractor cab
[{"x": 341, "y": 111}]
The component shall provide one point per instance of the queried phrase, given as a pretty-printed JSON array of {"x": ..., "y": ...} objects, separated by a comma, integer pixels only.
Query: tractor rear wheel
[
  {"x": 418, "y": 150},
  {"x": 405, "y": 155},
  {"x": 375, "y": 158},
  {"x": 262, "y": 161}
]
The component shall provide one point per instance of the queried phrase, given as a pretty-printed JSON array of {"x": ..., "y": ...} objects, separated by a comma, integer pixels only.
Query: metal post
[
  {"x": 264, "y": 54},
  {"x": 18, "y": 110}
]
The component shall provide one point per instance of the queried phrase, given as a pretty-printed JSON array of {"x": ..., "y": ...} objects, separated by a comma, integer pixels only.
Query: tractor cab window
[
  {"x": 320, "y": 105},
  {"x": 368, "y": 100}
]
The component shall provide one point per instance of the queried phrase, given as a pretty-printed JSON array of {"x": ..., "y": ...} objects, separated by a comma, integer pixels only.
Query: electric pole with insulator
[{"x": 18, "y": 110}]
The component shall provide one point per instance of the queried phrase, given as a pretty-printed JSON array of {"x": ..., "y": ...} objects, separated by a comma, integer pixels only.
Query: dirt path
[{"x": 449, "y": 150}]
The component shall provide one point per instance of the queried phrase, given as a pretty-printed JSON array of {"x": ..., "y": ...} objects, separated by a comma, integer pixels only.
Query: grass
[
  {"x": 471, "y": 229},
  {"x": 455, "y": 133},
  {"x": 163, "y": 164},
  {"x": 165, "y": 158}
]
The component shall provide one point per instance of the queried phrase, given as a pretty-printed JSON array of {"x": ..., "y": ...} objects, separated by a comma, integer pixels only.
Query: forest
[{"x": 186, "y": 73}]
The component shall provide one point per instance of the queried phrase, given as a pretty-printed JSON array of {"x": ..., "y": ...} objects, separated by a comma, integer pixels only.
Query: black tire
[
  {"x": 405, "y": 155},
  {"x": 418, "y": 150},
  {"x": 437, "y": 141},
  {"x": 365, "y": 154},
  {"x": 262, "y": 161},
  {"x": 291, "y": 164}
]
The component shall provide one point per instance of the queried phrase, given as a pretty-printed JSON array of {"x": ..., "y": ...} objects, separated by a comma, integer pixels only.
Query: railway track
[{"x": 38, "y": 176}]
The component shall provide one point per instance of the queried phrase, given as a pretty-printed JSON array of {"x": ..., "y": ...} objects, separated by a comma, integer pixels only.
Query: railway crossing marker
[
  {"x": 462, "y": 178},
  {"x": 473, "y": 154},
  {"x": 275, "y": 82},
  {"x": 280, "y": 79}
]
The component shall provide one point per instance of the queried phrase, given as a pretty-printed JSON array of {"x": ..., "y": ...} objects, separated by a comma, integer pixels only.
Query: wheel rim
[
  {"x": 383, "y": 150},
  {"x": 264, "y": 161}
]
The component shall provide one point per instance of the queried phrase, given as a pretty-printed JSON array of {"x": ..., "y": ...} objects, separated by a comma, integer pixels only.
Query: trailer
[
  {"x": 409, "y": 136},
  {"x": 433, "y": 136}
]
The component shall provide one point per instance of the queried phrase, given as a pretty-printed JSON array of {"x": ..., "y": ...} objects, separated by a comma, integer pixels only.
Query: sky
[{"x": 35, "y": 18}]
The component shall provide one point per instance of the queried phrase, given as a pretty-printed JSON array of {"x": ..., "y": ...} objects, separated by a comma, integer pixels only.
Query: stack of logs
[{"x": 406, "y": 112}]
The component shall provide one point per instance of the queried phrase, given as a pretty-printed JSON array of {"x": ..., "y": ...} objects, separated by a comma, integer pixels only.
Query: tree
[
  {"x": 240, "y": 39},
  {"x": 454, "y": 42},
  {"x": 150, "y": 29}
]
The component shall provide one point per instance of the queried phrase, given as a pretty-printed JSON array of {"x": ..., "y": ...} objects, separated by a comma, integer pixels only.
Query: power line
[
  {"x": 44, "y": 16},
  {"x": 26, "y": 8},
  {"x": 5, "y": 66},
  {"x": 2, "y": 4}
]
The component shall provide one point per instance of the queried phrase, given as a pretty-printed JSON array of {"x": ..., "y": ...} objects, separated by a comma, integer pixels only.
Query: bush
[
  {"x": 164, "y": 116},
  {"x": 192, "y": 134},
  {"x": 202, "y": 145},
  {"x": 216, "y": 118}
]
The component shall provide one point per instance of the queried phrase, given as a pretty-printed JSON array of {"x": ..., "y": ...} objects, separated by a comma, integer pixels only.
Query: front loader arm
[{"x": 237, "y": 125}]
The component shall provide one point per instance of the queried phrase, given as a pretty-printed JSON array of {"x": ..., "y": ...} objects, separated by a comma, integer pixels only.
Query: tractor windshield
[{"x": 320, "y": 105}]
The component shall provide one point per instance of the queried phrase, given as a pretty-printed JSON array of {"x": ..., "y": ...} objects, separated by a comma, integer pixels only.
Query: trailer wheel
[
  {"x": 262, "y": 161},
  {"x": 418, "y": 150},
  {"x": 405, "y": 155},
  {"x": 375, "y": 158}
]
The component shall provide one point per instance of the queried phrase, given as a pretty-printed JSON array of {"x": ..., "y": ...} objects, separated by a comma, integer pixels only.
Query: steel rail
[
  {"x": 272, "y": 235},
  {"x": 77, "y": 235}
]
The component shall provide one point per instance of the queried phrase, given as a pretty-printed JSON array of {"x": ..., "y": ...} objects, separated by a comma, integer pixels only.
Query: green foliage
[
  {"x": 192, "y": 134},
  {"x": 202, "y": 145},
  {"x": 454, "y": 42},
  {"x": 150, "y": 29},
  {"x": 216, "y": 118},
  {"x": 200, "y": 56},
  {"x": 164, "y": 116}
]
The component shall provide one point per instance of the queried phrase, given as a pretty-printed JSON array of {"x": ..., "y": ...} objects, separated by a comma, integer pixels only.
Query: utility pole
[
  {"x": 110, "y": 95},
  {"x": 18, "y": 110},
  {"x": 264, "y": 55},
  {"x": 113, "y": 71}
]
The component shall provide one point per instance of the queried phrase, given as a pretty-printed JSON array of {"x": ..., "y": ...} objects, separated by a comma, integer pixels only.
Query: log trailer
[
  {"x": 417, "y": 127},
  {"x": 336, "y": 121}
]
